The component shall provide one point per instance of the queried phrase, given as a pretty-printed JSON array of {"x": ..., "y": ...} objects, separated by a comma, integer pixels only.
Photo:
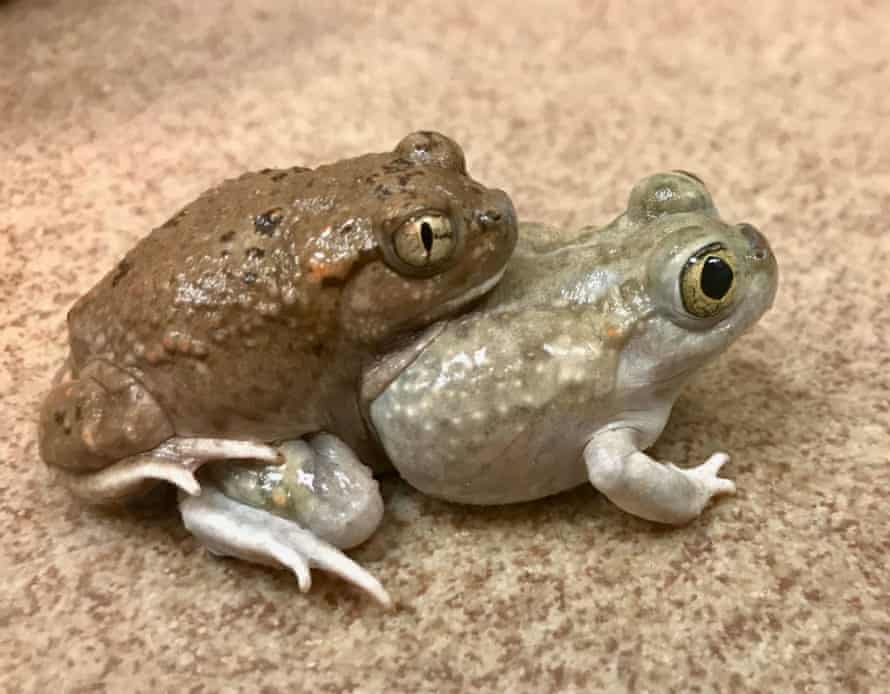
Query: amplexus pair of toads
[{"x": 292, "y": 328}]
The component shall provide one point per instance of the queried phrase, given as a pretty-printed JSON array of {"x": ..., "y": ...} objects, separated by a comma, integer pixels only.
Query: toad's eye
[
  {"x": 425, "y": 241},
  {"x": 707, "y": 283}
]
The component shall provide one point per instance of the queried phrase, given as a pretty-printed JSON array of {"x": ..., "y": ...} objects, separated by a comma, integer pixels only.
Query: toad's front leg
[
  {"x": 295, "y": 515},
  {"x": 642, "y": 486}
]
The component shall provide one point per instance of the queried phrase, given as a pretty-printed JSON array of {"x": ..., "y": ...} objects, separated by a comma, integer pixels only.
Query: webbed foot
[
  {"x": 647, "y": 488},
  {"x": 706, "y": 477},
  {"x": 230, "y": 528},
  {"x": 295, "y": 514},
  {"x": 174, "y": 461}
]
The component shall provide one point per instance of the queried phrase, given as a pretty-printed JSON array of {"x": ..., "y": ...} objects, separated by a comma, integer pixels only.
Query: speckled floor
[{"x": 112, "y": 115}]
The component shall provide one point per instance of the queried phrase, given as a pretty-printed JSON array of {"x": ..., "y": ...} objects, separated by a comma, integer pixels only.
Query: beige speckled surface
[{"x": 112, "y": 115}]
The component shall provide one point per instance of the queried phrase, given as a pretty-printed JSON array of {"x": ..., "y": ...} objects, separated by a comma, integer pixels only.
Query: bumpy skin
[
  {"x": 252, "y": 313},
  {"x": 565, "y": 373},
  {"x": 579, "y": 353}
]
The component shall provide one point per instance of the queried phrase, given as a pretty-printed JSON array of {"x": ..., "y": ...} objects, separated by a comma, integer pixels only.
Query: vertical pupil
[
  {"x": 716, "y": 277},
  {"x": 426, "y": 235}
]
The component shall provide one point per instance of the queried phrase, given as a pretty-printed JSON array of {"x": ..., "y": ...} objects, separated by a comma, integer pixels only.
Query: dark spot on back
[
  {"x": 254, "y": 253},
  {"x": 332, "y": 281},
  {"x": 266, "y": 171},
  {"x": 278, "y": 176},
  {"x": 403, "y": 180},
  {"x": 228, "y": 236},
  {"x": 78, "y": 412},
  {"x": 219, "y": 423},
  {"x": 123, "y": 267},
  {"x": 267, "y": 222},
  {"x": 61, "y": 420},
  {"x": 397, "y": 166}
]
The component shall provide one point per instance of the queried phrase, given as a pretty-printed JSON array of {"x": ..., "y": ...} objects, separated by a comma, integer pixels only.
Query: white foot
[
  {"x": 660, "y": 492},
  {"x": 230, "y": 528},
  {"x": 174, "y": 461},
  {"x": 705, "y": 477}
]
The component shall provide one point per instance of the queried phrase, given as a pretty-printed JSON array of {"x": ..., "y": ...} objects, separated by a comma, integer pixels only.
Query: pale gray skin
[
  {"x": 586, "y": 339},
  {"x": 564, "y": 374}
]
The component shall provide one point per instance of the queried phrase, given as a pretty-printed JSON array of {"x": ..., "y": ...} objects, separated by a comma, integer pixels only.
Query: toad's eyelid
[
  {"x": 398, "y": 221},
  {"x": 704, "y": 250}
]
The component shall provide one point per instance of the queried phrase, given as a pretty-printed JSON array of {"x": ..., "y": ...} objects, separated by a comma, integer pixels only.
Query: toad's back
[
  {"x": 251, "y": 312},
  {"x": 220, "y": 281}
]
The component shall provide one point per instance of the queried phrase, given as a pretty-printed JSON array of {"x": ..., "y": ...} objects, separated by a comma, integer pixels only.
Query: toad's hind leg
[
  {"x": 294, "y": 515},
  {"x": 97, "y": 418},
  {"x": 174, "y": 461},
  {"x": 110, "y": 440}
]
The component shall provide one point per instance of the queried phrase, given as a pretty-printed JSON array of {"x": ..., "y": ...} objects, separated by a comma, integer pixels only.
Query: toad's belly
[
  {"x": 498, "y": 461},
  {"x": 498, "y": 409},
  {"x": 505, "y": 455}
]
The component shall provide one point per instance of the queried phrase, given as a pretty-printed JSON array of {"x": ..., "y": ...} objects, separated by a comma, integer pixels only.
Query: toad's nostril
[
  {"x": 759, "y": 244},
  {"x": 490, "y": 217}
]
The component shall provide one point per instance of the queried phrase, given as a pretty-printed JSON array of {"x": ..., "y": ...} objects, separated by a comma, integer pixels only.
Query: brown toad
[{"x": 253, "y": 315}]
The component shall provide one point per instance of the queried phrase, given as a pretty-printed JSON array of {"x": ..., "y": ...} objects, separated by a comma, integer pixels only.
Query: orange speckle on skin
[
  {"x": 279, "y": 498},
  {"x": 169, "y": 342},
  {"x": 154, "y": 356},
  {"x": 322, "y": 269}
]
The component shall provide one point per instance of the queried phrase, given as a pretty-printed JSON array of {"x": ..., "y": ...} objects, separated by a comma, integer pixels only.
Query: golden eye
[
  {"x": 425, "y": 241},
  {"x": 707, "y": 283}
]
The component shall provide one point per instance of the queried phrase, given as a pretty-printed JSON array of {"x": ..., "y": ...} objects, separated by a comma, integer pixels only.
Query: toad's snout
[
  {"x": 497, "y": 213},
  {"x": 759, "y": 247},
  {"x": 762, "y": 262}
]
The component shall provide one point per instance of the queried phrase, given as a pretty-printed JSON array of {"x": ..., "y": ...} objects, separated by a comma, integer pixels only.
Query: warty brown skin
[{"x": 252, "y": 313}]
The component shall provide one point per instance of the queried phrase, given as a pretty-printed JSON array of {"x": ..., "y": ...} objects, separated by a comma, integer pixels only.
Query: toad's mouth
[{"x": 452, "y": 305}]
